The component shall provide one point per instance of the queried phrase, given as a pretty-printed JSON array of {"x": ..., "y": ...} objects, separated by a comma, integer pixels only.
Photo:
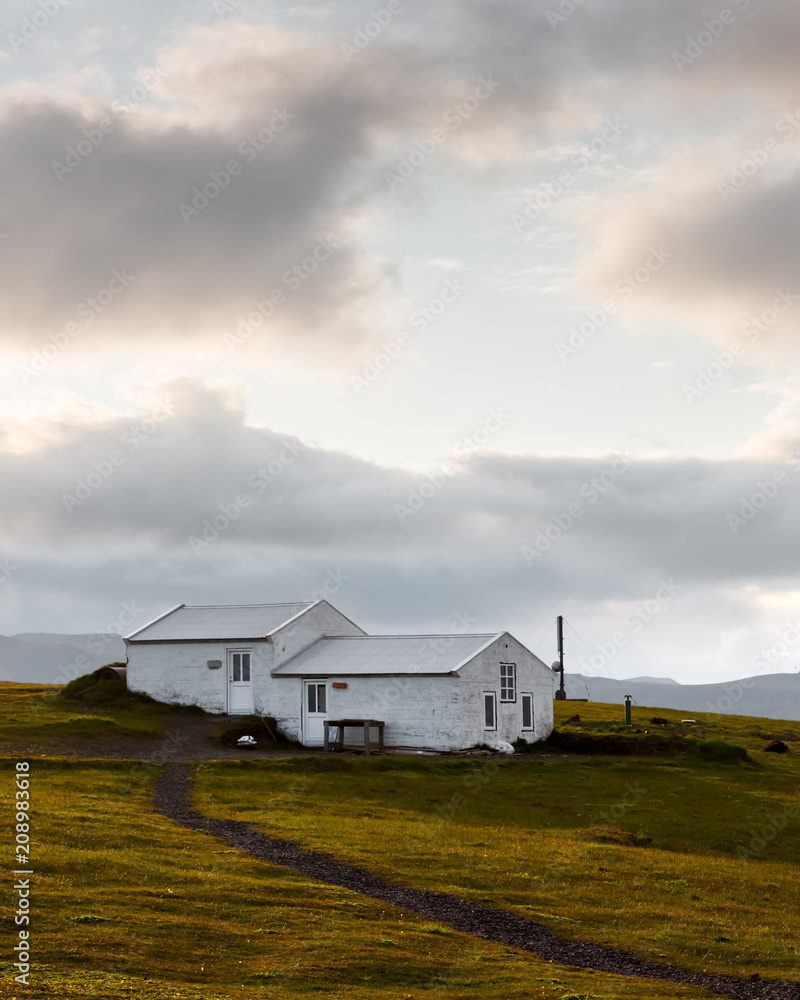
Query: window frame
[
  {"x": 490, "y": 697},
  {"x": 522, "y": 697},
  {"x": 241, "y": 660},
  {"x": 506, "y": 687},
  {"x": 314, "y": 685}
]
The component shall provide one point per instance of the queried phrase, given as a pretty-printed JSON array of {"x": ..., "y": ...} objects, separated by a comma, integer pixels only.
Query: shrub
[{"x": 719, "y": 751}]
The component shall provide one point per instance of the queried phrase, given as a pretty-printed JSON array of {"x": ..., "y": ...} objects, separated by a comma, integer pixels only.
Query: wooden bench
[{"x": 342, "y": 724}]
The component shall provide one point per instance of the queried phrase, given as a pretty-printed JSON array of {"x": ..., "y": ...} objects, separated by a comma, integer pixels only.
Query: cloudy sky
[{"x": 464, "y": 314}]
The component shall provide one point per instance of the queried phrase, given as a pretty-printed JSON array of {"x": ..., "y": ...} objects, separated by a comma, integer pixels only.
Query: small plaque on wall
[
  {"x": 214, "y": 664},
  {"x": 338, "y": 684}
]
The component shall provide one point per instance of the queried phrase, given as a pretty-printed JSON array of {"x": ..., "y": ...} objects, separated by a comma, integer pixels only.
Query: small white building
[{"x": 305, "y": 663}]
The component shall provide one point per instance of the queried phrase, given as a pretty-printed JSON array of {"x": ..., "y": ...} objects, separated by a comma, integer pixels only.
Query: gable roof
[
  {"x": 217, "y": 621},
  {"x": 386, "y": 654}
]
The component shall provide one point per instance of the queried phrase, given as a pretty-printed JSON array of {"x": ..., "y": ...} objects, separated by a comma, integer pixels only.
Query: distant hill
[
  {"x": 771, "y": 696},
  {"x": 49, "y": 658},
  {"x": 650, "y": 680}
]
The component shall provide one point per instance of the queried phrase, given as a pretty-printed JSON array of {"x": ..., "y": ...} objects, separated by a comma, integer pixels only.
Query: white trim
[
  {"x": 481, "y": 649},
  {"x": 230, "y": 652},
  {"x": 522, "y": 696},
  {"x": 158, "y": 619},
  {"x": 493, "y": 696},
  {"x": 513, "y": 685}
]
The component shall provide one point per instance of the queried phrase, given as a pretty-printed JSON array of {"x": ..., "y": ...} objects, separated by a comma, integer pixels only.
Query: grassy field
[
  {"x": 129, "y": 905},
  {"x": 689, "y": 860},
  {"x": 29, "y": 715}
]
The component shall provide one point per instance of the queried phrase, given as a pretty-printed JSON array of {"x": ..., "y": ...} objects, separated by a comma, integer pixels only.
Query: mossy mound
[{"x": 106, "y": 688}]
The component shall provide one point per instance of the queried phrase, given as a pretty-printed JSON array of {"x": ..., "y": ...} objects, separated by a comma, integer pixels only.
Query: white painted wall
[
  {"x": 483, "y": 675},
  {"x": 320, "y": 619},
  {"x": 178, "y": 672},
  {"x": 442, "y": 712},
  {"x": 418, "y": 711}
]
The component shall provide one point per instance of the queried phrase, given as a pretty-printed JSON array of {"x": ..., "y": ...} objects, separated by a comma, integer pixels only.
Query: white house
[{"x": 304, "y": 663}]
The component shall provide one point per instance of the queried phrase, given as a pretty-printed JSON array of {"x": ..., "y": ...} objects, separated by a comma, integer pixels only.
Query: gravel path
[{"x": 173, "y": 799}]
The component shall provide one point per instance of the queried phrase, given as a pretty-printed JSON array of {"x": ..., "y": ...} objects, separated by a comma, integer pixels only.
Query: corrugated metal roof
[
  {"x": 385, "y": 654},
  {"x": 243, "y": 621}
]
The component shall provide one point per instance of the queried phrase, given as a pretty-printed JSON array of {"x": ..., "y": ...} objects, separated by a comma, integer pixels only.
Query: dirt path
[
  {"x": 187, "y": 738},
  {"x": 173, "y": 799}
]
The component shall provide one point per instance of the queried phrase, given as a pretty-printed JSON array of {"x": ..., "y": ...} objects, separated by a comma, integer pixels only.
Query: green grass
[
  {"x": 127, "y": 905},
  {"x": 691, "y": 859},
  {"x": 47, "y": 713}
]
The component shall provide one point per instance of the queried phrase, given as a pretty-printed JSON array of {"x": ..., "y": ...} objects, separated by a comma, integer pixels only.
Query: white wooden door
[
  {"x": 315, "y": 711},
  {"x": 240, "y": 685}
]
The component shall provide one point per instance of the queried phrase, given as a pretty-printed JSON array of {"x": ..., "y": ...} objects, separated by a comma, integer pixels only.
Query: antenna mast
[{"x": 561, "y": 694}]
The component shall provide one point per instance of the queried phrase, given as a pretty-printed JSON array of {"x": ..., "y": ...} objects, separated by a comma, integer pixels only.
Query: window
[
  {"x": 489, "y": 710},
  {"x": 527, "y": 711},
  {"x": 508, "y": 682},
  {"x": 241, "y": 667},
  {"x": 316, "y": 698}
]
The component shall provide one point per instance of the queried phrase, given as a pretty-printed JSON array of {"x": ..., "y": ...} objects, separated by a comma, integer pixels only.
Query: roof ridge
[
  {"x": 279, "y": 604},
  {"x": 420, "y": 635}
]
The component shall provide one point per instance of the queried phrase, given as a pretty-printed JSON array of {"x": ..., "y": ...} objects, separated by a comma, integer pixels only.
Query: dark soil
[
  {"x": 172, "y": 798},
  {"x": 618, "y": 745},
  {"x": 187, "y": 737}
]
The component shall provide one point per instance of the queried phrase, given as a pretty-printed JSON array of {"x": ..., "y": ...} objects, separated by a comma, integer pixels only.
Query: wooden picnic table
[{"x": 342, "y": 724}]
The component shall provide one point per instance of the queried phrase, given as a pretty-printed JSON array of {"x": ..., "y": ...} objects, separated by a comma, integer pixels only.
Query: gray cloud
[
  {"x": 196, "y": 274},
  {"x": 297, "y": 139},
  {"x": 181, "y": 465}
]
